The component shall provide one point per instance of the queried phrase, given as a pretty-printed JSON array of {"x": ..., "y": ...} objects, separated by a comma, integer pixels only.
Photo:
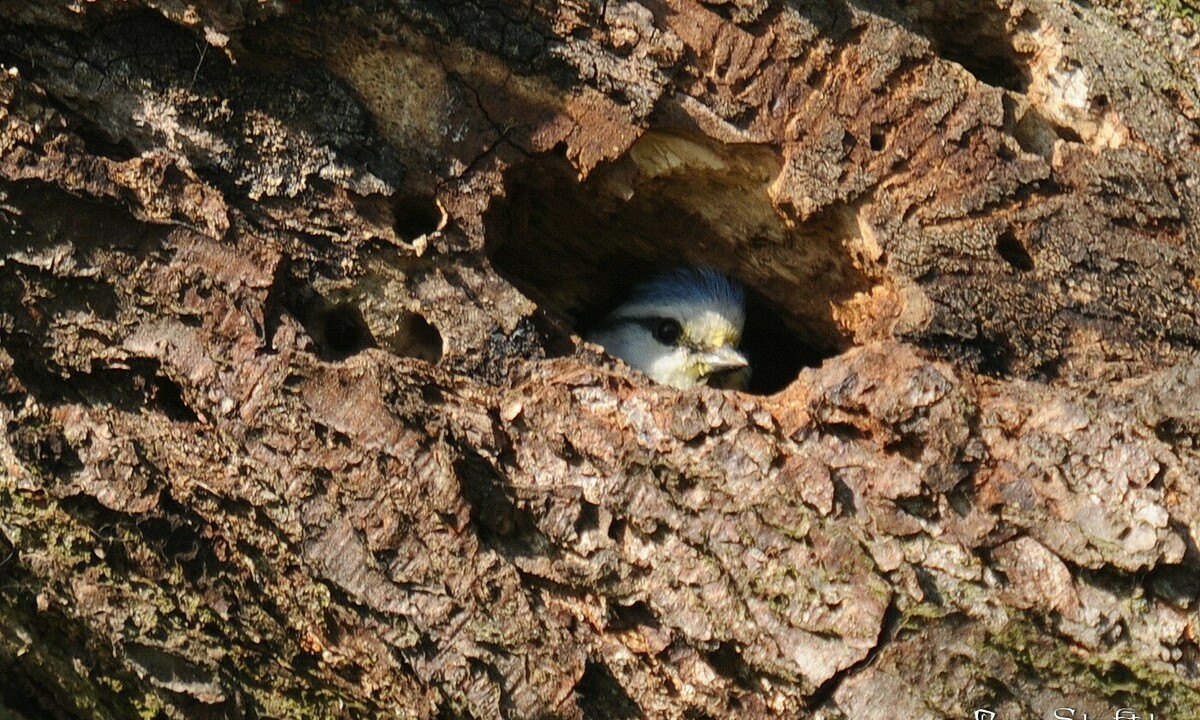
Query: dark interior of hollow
[
  {"x": 776, "y": 352},
  {"x": 978, "y": 36},
  {"x": 415, "y": 216},
  {"x": 577, "y": 251}
]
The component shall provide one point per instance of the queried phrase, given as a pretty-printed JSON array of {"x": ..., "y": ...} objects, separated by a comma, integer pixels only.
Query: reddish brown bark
[{"x": 297, "y": 421}]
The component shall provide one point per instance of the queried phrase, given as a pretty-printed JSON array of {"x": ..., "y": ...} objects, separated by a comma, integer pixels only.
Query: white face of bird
[
  {"x": 685, "y": 335},
  {"x": 693, "y": 348}
]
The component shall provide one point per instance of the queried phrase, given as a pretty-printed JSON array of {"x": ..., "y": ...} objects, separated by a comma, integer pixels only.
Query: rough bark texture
[{"x": 296, "y": 422}]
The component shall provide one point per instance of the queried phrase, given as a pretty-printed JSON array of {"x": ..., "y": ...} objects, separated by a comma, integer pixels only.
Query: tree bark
[{"x": 298, "y": 423}]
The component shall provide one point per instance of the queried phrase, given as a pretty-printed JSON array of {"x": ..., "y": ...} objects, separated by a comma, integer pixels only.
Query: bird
[{"x": 681, "y": 328}]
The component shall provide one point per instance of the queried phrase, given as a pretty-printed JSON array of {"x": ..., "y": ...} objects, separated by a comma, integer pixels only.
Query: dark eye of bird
[{"x": 668, "y": 332}]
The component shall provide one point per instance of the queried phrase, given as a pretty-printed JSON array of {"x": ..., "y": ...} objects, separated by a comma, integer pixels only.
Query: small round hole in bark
[
  {"x": 345, "y": 332},
  {"x": 1013, "y": 252},
  {"x": 878, "y": 140},
  {"x": 356, "y": 315},
  {"x": 372, "y": 308},
  {"x": 578, "y": 248},
  {"x": 412, "y": 336},
  {"x": 417, "y": 216}
]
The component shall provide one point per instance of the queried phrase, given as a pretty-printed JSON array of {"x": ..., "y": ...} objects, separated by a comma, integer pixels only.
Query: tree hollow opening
[{"x": 578, "y": 247}]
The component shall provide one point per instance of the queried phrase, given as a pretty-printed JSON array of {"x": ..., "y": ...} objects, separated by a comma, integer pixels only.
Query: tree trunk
[{"x": 298, "y": 423}]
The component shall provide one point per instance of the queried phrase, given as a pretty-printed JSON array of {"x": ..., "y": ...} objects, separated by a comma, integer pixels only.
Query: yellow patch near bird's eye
[{"x": 718, "y": 337}]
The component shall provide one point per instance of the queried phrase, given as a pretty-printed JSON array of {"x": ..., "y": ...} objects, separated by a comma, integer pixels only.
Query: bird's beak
[
  {"x": 723, "y": 360},
  {"x": 727, "y": 369}
]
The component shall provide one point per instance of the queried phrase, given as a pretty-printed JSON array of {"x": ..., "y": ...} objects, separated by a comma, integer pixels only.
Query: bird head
[{"x": 682, "y": 329}]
